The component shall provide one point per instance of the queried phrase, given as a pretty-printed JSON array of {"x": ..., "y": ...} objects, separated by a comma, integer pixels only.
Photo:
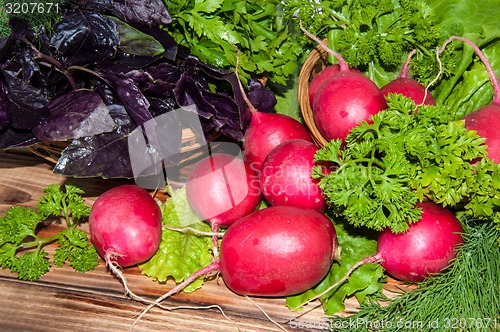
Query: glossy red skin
[
  {"x": 486, "y": 121},
  {"x": 277, "y": 251},
  {"x": 265, "y": 132},
  {"x": 409, "y": 88},
  {"x": 426, "y": 248},
  {"x": 221, "y": 189},
  {"x": 126, "y": 221},
  {"x": 343, "y": 101},
  {"x": 322, "y": 76},
  {"x": 285, "y": 177}
]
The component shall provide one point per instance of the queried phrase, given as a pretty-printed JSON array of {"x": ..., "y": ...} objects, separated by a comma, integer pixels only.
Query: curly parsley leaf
[
  {"x": 375, "y": 36},
  {"x": 402, "y": 157},
  {"x": 180, "y": 253},
  {"x": 21, "y": 249},
  {"x": 74, "y": 249},
  {"x": 66, "y": 203}
]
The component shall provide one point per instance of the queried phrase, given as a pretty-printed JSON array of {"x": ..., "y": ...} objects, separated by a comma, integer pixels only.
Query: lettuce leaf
[
  {"x": 468, "y": 88},
  {"x": 180, "y": 254}
]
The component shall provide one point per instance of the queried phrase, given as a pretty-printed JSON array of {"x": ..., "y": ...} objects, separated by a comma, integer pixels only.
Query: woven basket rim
[{"x": 317, "y": 56}]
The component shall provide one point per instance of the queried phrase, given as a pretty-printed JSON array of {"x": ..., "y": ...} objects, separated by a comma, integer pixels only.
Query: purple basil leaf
[
  {"x": 27, "y": 104},
  {"x": 145, "y": 12},
  {"x": 4, "y": 117},
  {"x": 11, "y": 138},
  {"x": 260, "y": 97},
  {"x": 105, "y": 155},
  {"x": 21, "y": 28},
  {"x": 76, "y": 114},
  {"x": 81, "y": 38},
  {"x": 131, "y": 96}
]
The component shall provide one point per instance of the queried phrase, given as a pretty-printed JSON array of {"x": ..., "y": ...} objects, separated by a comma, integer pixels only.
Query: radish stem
[
  {"x": 489, "y": 69},
  {"x": 377, "y": 258},
  {"x": 406, "y": 65},
  {"x": 342, "y": 63}
]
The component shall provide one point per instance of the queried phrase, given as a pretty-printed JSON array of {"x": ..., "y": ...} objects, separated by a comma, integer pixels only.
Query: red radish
[
  {"x": 221, "y": 189},
  {"x": 322, "y": 76},
  {"x": 426, "y": 248},
  {"x": 344, "y": 100},
  {"x": 486, "y": 120},
  {"x": 409, "y": 87},
  {"x": 286, "y": 176},
  {"x": 277, "y": 251},
  {"x": 266, "y": 131},
  {"x": 125, "y": 225}
]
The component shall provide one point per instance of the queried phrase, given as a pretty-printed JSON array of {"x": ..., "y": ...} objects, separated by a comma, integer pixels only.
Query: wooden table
[{"x": 65, "y": 300}]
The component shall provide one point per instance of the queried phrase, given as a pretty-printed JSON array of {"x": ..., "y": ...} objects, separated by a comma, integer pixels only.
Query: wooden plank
[{"x": 95, "y": 301}]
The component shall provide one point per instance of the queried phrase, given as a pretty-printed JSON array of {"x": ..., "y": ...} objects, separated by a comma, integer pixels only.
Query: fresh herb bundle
[
  {"x": 375, "y": 36},
  {"x": 22, "y": 250},
  {"x": 214, "y": 29},
  {"x": 466, "y": 297}
]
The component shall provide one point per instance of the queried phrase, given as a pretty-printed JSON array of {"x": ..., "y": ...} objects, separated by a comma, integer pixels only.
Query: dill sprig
[
  {"x": 465, "y": 298},
  {"x": 40, "y": 15}
]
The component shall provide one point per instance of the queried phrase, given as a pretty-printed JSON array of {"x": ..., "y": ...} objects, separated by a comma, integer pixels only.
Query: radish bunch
[{"x": 289, "y": 247}]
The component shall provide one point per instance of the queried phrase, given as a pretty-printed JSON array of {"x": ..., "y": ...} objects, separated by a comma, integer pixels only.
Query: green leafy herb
[
  {"x": 41, "y": 16},
  {"x": 213, "y": 29},
  {"x": 181, "y": 253},
  {"x": 367, "y": 280},
  {"x": 463, "y": 298},
  {"x": 402, "y": 157},
  {"x": 375, "y": 36},
  {"x": 22, "y": 250}
]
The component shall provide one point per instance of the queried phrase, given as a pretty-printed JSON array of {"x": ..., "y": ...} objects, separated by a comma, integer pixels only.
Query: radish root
[
  {"x": 205, "y": 271},
  {"x": 265, "y": 314},
  {"x": 193, "y": 230}
]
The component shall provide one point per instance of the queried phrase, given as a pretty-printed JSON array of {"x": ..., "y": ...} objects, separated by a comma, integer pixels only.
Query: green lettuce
[
  {"x": 468, "y": 87},
  {"x": 181, "y": 253}
]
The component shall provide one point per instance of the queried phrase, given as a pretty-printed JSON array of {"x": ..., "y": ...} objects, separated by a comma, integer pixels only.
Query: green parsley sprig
[
  {"x": 402, "y": 157},
  {"x": 22, "y": 249},
  {"x": 376, "y": 36},
  {"x": 259, "y": 29}
]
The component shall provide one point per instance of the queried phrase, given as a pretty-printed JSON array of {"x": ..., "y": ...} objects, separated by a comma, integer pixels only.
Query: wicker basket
[
  {"x": 51, "y": 151},
  {"x": 315, "y": 62}
]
